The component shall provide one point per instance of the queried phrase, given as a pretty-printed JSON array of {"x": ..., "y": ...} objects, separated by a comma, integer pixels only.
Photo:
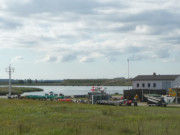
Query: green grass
[
  {"x": 17, "y": 90},
  {"x": 31, "y": 117}
]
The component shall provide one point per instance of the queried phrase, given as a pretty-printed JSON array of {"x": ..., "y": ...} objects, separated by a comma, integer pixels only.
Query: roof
[{"x": 155, "y": 77}]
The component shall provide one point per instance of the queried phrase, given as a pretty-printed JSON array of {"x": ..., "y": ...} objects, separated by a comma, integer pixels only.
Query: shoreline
[{"x": 18, "y": 90}]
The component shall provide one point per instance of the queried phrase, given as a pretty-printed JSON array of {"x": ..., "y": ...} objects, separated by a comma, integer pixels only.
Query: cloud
[
  {"x": 49, "y": 58},
  {"x": 16, "y": 59},
  {"x": 30, "y": 7},
  {"x": 85, "y": 31},
  {"x": 135, "y": 58},
  {"x": 86, "y": 59}
]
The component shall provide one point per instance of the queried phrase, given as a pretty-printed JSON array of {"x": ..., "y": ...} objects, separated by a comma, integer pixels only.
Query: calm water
[{"x": 74, "y": 90}]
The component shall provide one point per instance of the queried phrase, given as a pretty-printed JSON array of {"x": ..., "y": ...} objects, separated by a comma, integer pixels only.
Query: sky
[{"x": 89, "y": 39}]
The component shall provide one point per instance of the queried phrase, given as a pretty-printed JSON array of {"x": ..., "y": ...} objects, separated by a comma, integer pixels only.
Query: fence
[{"x": 130, "y": 94}]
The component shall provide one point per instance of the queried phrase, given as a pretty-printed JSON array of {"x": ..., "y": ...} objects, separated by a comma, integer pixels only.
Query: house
[{"x": 156, "y": 82}]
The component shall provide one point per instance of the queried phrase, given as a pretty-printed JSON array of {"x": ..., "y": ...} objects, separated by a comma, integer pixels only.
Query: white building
[{"x": 157, "y": 82}]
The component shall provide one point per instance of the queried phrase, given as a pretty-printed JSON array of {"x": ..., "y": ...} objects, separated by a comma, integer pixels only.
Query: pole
[
  {"x": 142, "y": 95},
  {"x": 176, "y": 95},
  {"x": 9, "y": 80},
  {"x": 128, "y": 73},
  {"x": 9, "y": 70},
  {"x": 92, "y": 99}
]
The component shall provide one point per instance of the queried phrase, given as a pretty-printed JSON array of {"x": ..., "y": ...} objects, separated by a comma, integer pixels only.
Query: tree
[
  {"x": 29, "y": 81},
  {"x": 21, "y": 81},
  {"x": 36, "y": 81}
]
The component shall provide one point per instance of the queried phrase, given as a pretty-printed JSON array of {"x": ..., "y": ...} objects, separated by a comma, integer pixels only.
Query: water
[{"x": 74, "y": 90}]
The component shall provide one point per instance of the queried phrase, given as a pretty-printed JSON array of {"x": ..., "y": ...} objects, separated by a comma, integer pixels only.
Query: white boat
[
  {"x": 155, "y": 100},
  {"x": 168, "y": 98}
]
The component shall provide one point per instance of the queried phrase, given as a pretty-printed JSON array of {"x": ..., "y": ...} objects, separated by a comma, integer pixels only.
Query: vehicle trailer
[
  {"x": 155, "y": 101},
  {"x": 116, "y": 103}
]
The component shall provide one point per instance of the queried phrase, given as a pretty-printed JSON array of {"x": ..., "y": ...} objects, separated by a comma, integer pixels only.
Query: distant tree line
[
  {"x": 28, "y": 81},
  {"x": 73, "y": 82},
  {"x": 97, "y": 82}
]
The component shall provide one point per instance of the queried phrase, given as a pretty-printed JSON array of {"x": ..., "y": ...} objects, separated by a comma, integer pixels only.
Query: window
[
  {"x": 154, "y": 85},
  {"x": 143, "y": 85},
  {"x": 149, "y": 85},
  {"x": 137, "y": 84}
]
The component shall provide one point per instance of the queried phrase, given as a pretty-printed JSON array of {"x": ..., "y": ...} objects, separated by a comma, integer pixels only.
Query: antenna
[{"x": 9, "y": 70}]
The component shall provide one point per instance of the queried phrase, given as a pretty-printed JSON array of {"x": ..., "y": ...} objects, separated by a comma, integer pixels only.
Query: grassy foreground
[
  {"x": 17, "y": 90},
  {"x": 30, "y": 117}
]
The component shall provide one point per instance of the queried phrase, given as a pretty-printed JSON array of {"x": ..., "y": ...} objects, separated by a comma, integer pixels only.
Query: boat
[
  {"x": 158, "y": 100},
  {"x": 168, "y": 98}
]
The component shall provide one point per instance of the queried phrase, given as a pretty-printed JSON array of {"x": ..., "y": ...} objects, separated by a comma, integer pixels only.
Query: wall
[
  {"x": 159, "y": 84},
  {"x": 176, "y": 83},
  {"x": 166, "y": 85}
]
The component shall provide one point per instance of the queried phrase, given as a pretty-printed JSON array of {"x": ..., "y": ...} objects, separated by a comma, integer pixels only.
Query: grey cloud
[
  {"x": 163, "y": 52},
  {"x": 110, "y": 59},
  {"x": 126, "y": 28},
  {"x": 154, "y": 17},
  {"x": 50, "y": 59},
  {"x": 9, "y": 24},
  {"x": 60, "y": 6},
  {"x": 136, "y": 58},
  {"x": 161, "y": 20},
  {"x": 135, "y": 49},
  {"x": 54, "y": 6},
  {"x": 86, "y": 59},
  {"x": 171, "y": 39},
  {"x": 150, "y": 52},
  {"x": 68, "y": 57}
]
